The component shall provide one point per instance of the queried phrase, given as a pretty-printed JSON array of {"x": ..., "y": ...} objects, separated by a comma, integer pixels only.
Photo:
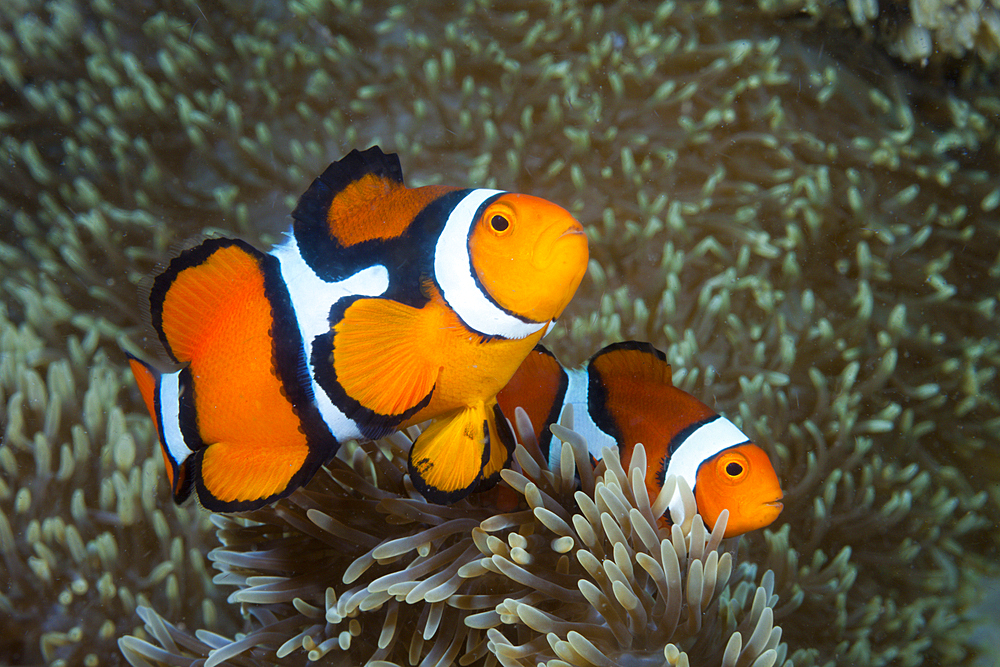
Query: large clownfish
[
  {"x": 385, "y": 307},
  {"x": 625, "y": 395}
]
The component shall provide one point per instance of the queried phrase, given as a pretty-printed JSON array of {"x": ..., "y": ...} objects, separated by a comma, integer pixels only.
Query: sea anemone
[
  {"x": 360, "y": 567},
  {"x": 810, "y": 235},
  {"x": 83, "y": 539}
]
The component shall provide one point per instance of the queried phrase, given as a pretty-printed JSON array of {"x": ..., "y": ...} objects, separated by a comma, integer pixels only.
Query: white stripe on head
[
  {"x": 170, "y": 413},
  {"x": 312, "y": 298},
  {"x": 700, "y": 445},
  {"x": 577, "y": 395},
  {"x": 454, "y": 275}
]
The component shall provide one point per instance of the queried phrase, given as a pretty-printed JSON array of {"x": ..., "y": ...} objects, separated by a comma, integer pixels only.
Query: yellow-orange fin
[
  {"x": 359, "y": 198},
  {"x": 235, "y": 477},
  {"x": 382, "y": 362},
  {"x": 147, "y": 378},
  {"x": 447, "y": 459}
]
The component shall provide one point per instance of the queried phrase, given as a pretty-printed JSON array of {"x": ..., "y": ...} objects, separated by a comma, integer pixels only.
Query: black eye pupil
[
  {"x": 499, "y": 223},
  {"x": 734, "y": 469}
]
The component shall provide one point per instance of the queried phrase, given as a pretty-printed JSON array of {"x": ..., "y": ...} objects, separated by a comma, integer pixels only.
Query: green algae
[{"x": 813, "y": 241}]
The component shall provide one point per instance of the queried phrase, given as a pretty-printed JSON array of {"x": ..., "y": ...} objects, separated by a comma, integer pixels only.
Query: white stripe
[
  {"x": 170, "y": 414},
  {"x": 454, "y": 274},
  {"x": 577, "y": 395},
  {"x": 702, "y": 444},
  {"x": 312, "y": 298}
]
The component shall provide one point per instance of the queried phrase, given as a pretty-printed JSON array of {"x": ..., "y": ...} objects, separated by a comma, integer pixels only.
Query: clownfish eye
[
  {"x": 499, "y": 224},
  {"x": 732, "y": 467}
]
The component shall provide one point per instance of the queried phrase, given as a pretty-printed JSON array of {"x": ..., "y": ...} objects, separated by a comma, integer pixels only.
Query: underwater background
[{"x": 798, "y": 201}]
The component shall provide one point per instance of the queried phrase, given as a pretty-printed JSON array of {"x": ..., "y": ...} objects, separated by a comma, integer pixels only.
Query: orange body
[
  {"x": 624, "y": 395},
  {"x": 386, "y": 306}
]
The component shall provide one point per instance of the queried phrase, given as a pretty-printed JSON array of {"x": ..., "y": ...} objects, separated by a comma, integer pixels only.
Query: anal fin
[{"x": 232, "y": 477}]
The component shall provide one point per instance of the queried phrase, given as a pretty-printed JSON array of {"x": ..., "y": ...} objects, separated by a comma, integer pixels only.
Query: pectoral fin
[{"x": 382, "y": 363}]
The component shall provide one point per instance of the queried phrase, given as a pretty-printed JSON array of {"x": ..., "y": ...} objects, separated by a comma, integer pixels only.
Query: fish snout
[{"x": 559, "y": 241}]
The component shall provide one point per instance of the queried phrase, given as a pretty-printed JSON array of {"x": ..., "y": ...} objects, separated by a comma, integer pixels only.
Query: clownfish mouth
[{"x": 776, "y": 504}]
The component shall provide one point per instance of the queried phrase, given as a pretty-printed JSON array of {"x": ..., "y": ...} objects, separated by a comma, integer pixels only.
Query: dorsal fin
[
  {"x": 632, "y": 397},
  {"x": 634, "y": 361},
  {"x": 357, "y": 163},
  {"x": 360, "y": 198}
]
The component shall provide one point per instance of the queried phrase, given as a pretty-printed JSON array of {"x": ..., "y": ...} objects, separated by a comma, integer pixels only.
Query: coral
[
  {"x": 812, "y": 238},
  {"x": 962, "y": 35}
]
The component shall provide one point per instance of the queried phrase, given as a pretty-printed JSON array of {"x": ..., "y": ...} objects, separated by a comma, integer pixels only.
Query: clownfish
[
  {"x": 624, "y": 395},
  {"x": 385, "y": 307}
]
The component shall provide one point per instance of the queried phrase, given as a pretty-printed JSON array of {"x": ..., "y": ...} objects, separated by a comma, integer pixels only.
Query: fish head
[
  {"x": 742, "y": 480},
  {"x": 529, "y": 254}
]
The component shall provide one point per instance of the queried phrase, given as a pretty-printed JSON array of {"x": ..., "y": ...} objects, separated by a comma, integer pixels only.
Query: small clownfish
[
  {"x": 385, "y": 307},
  {"x": 623, "y": 395}
]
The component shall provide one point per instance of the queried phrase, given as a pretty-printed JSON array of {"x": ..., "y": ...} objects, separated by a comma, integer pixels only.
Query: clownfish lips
[{"x": 775, "y": 504}]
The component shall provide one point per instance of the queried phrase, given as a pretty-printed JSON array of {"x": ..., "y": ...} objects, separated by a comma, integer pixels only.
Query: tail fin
[
  {"x": 147, "y": 378},
  {"x": 231, "y": 419},
  {"x": 150, "y": 382}
]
